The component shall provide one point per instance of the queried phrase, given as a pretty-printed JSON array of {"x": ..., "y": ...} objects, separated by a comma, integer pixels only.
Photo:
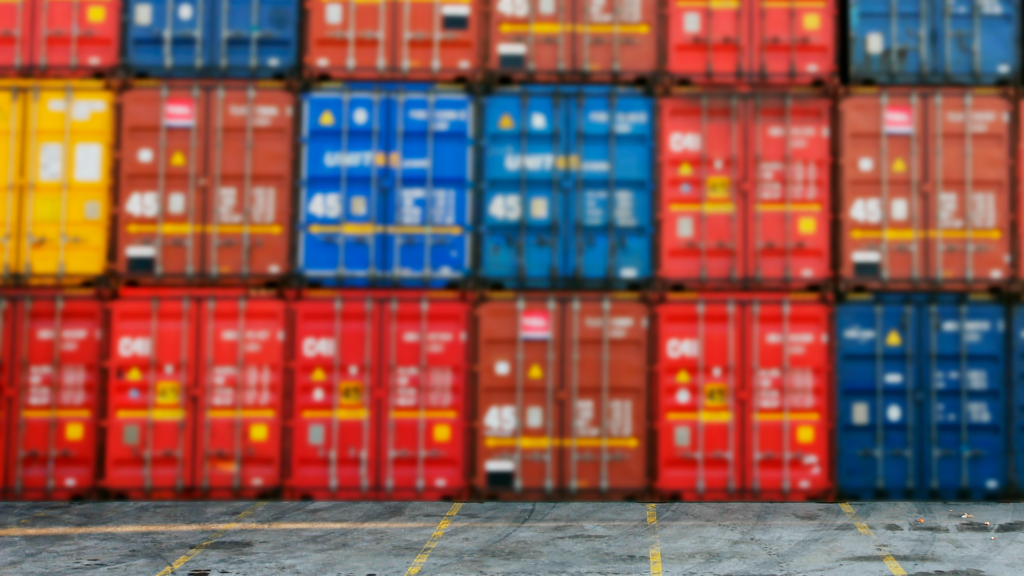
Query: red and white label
[
  {"x": 535, "y": 325},
  {"x": 899, "y": 120},
  {"x": 179, "y": 113}
]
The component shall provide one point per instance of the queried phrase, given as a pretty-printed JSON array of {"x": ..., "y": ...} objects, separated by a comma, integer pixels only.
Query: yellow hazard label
[
  {"x": 326, "y": 119},
  {"x": 804, "y": 434},
  {"x": 178, "y": 159},
  {"x": 683, "y": 377},
  {"x": 259, "y": 432},
  {"x": 893, "y": 339},
  {"x": 535, "y": 372},
  {"x": 506, "y": 122},
  {"x": 442, "y": 433},
  {"x": 812, "y": 21},
  {"x": 318, "y": 375},
  {"x": 168, "y": 393},
  {"x": 899, "y": 166},
  {"x": 134, "y": 374},
  {"x": 718, "y": 187},
  {"x": 380, "y": 159},
  {"x": 714, "y": 395},
  {"x": 685, "y": 169},
  {"x": 807, "y": 225},
  {"x": 351, "y": 393},
  {"x": 74, "y": 431},
  {"x": 96, "y": 14}
]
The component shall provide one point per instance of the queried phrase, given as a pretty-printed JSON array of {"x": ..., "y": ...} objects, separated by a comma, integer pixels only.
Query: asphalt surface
[{"x": 361, "y": 539}]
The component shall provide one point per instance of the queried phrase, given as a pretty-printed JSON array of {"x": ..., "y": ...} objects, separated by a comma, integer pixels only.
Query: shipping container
[
  {"x": 743, "y": 397},
  {"x": 1017, "y": 409},
  {"x": 561, "y": 397},
  {"x": 745, "y": 189},
  {"x": 567, "y": 187},
  {"x": 68, "y": 39},
  {"x": 385, "y": 187},
  {"x": 54, "y": 373},
  {"x": 378, "y": 397},
  {"x": 573, "y": 39},
  {"x": 226, "y": 39},
  {"x": 56, "y": 158},
  {"x": 752, "y": 41},
  {"x": 7, "y": 365},
  {"x": 934, "y": 42},
  {"x": 922, "y": 397},
  {"x": 398, "y": 39},
  {"x": 925, "y": 188},
  {"x": 205, "y": 182}
]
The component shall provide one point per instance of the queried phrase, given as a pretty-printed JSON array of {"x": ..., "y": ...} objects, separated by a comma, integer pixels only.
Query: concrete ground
[{"x": 363, "y": 539}]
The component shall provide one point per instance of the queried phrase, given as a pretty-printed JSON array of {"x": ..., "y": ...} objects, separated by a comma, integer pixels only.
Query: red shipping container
[
  {"x": 60, "y": 38},
  {"x": 54, "y": 397},
  {"x": 206, "y": 180},
  {"x": 752, "y": 41},
  {"x": 925, "y": 188},
  {"x": 392, "y": 424},
  {"x": 599, "y": 39},
  {"x": 561, "y": 397},
  {"x": 407, "y": 39},
  {"x": 6, "y": 367},
  {"x": 745, "y": 189},
  {"x": 743, "y": 401}
]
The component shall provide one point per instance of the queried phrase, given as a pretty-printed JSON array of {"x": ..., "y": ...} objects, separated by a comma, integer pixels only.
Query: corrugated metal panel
[
  {"x": 11, "y": 162},
  {"x": 567, "y": 186},
  {"x": 386, "y": 185},
  {"x": 925, "y": 188},
  {"x": 55, "y": 393},
  {"x": 404, "y": 39},
  {"x": 1017, "y": 411},
  {"x": 7, "y": 366},
  {"x": 230, "y": 38},
  {"x": 47, "y": 37},
  {"x": 905, "y": 434},
  {"x": 928, "y": 42},
  {"x": 206, "y": 182}
]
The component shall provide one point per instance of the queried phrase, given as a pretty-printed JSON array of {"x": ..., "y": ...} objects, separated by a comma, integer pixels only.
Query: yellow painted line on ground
[
  {"x": 210, "y": 540},
  {"x": 420, "y": 560},
  {"x": 882, "y": 551},
  {"x": 652, "y": 525}
]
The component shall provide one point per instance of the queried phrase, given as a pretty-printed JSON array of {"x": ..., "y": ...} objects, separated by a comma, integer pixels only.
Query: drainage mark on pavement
[
  {"x": 213, "y": 538},
  {"x": 882, "y": 551},
  {"x": 420, "y": 560},
  {"x": 652, "y": 525}
]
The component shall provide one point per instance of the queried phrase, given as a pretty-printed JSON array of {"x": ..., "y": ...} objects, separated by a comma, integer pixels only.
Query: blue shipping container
[
  {"x": 386, "y": 176},
  {"x": 934, "y": 41},
  {"x": 921, "y": 388},
  {"x": 1018, "y": 396},
  {"x": 225, "y": 38},
  {"x": 567, "y": 186}
]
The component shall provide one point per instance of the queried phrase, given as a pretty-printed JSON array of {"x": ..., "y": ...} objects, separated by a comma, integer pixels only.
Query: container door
[
  {"x": 969, "y": 140},
  {"x": 348, "y": 36},
  {"x": 249, "y": 205},
  {"x": 963, "y": 448},
  {"x": 891, "y": 42},
  {"x": 789, "y": 449},
  {"x": 53, "y": 454},
  {"x": 160, "y": 212},
  {"x": 793, "y": 42},
  {"x": 697, "y": 404},
  {"x": 519, "y": 347},
  {"x": 790, "y": 217},
  {"x": 70, "y": 36},
  {"x": 169, "y": 36},
  {"x": 255, "y": 37},
  {"x": 1017, "y": 412},
  {"x": 610, "y": 139},
  {"x": 525, "y": 170},
  {"x": 334, "y": 447},
  {"x": 877, "y": 372},
  {"x": 437, "y": 37},
  {"x": 884, "y": 217},
  {"x": 240, "y": 380},
  {"x": 531, "y": 36},
  {"x": 708, "y": 41},
  {"x": 616, "y": 36},
  {"x": 14, "y": 35},
  {"x": 149, "y": 408},
  {"x": 977, "y": 40},
  {"x": 7, "y": 367},
  {"x": 423, "y": 375},
  {"x": 12, "y": 132},
  {"x": 702, "y": 177},
  {"x": 65, "y": 211}
]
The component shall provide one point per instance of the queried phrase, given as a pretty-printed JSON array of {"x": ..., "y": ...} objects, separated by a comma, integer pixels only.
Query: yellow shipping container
[{"x": 55, "y": 156}]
